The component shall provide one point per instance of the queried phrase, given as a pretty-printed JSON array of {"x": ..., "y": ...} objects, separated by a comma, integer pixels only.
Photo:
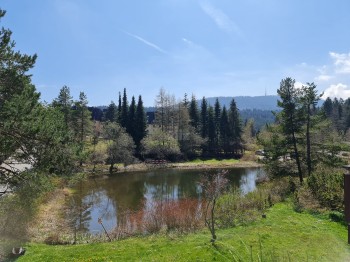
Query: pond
[{"x": 108, "y": 198}]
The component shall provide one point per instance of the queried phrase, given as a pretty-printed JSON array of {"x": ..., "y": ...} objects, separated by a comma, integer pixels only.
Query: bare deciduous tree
[{"x": 213, "y": 187}]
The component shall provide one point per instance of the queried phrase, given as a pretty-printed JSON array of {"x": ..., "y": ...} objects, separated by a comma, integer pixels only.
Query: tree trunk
[
  {"x": 297, "y": 159},
  {"x": 308, "y": 142}
]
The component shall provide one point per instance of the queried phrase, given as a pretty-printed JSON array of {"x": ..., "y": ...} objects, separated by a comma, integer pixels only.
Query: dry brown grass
[{"x": 50, "y": 219}]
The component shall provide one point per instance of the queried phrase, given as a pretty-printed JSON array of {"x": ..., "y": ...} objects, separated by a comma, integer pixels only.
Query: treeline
[
  {"x": 203, "y": 130},
  {"x": 338, "y": 111}
]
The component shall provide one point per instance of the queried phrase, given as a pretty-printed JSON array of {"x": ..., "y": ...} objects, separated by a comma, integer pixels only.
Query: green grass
[
  {"x": 284, "y": 235},
  {"x": 213, "y": 161}
]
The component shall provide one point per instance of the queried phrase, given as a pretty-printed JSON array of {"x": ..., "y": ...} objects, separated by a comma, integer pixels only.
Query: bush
[
  {"x": 234, "y": 208},
  {"x": 327, "y": 186}
]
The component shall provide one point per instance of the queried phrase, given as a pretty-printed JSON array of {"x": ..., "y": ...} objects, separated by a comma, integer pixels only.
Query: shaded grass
[{"x": 284, "y": 235}]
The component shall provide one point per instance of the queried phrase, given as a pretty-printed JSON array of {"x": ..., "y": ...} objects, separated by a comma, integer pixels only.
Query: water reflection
[{"x": 109, "y": 198}]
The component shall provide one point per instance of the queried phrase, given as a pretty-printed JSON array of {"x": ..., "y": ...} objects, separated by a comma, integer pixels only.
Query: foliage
[
  {"x": 327, "y": 185},
  {"x": 64, "y": 103},
  {"x": 140, "y": 125},
  {"x": 121, "y": 146},
  {"x": 160, "y": 145},
  {"x": 111, "y": 113},
  {"x": 290, "y": 118},
  {"x": 31, "y": 134}
]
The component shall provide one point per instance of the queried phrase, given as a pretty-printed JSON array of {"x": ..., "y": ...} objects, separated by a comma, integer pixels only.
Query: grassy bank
[
  {"x": 284, "y": 235},
  {"x": 194, "y": 164}
]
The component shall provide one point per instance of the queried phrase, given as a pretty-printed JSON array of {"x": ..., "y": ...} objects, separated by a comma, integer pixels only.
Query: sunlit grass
[
  {"x": 284, "y": 235},
  {"x": 213, "y": 161}
]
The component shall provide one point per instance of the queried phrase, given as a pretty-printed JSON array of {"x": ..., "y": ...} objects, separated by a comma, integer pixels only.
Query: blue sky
[{"x": 203, "y": 47}]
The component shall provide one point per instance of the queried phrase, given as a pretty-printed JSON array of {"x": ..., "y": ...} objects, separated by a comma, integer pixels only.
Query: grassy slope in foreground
[{"x": 284, "y": 236}]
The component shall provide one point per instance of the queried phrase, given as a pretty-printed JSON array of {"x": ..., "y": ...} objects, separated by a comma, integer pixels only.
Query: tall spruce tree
[
  {"x": 224, "y": 130},
  {"x": 194, "y": 114},
  {"x": 204, "y": 118},
  {"x": 124, "y": 111},
  {"x": 211, "y": 130},
  {"x": 235, "y": 127},
  {"x": 217, "y": 115},
  {"x": 132, "y": 119},
  {"x": 140, "y": 124},
  {"x": 119, "y": 110}
]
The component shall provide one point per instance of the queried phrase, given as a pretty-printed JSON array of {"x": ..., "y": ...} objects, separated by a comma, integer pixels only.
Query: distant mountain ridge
[{"x": 247, "y": 102}]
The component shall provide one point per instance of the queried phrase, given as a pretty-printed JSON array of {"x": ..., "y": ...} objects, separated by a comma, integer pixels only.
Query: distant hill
[{"x": 248, "y": 102}]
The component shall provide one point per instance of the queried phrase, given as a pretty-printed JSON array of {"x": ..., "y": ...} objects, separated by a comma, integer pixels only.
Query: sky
[{"x": 206, "y": 48}]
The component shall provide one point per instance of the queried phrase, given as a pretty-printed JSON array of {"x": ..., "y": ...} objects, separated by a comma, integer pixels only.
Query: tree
[
  {"x": 124, "y": 120},
  {"x": 30, "y": 133},
  {"x": 204, "y": 118},
  {"x": 213, "y": 187},
  {"x": 159, "y": 144},
  {"x": 235, "y": 127},
  {"x": 131, "y": 128},
  {"x": 96, "y": 157},
  {"x": 194, "y": 113},
  {"x": 120, "y": 147},
  {"x": 140, "y": 124},
  {"x": 309, "y": 101},
  {"x": 248, "y": 134},
  {"x": 111, "y": 112},
  {"x": 211, "y": 131},
  {"x": 224, "y": 131},
  {"x": 290, "y": 118},
  {"x": 217, "y": 115},
  {"x": 82, "y": 124},
  {"x": 64, "y": 102}
]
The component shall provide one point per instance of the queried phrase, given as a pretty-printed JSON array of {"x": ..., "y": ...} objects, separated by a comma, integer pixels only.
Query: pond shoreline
[{"x": 183, "y": 165}]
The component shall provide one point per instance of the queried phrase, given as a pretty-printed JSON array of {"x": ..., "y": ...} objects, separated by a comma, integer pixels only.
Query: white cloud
[
  {"x": 323, "y": 78},
  {"x": 146, "y": 42},
  {"x": 298, "y": 85},
  {"x": 339, "y": 91},
  {"x": 221, "y": 19},
  {"x": 341, "y": 62}
]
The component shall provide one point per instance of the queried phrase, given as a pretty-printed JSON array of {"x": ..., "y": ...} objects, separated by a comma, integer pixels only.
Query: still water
[{"x": 108, "y": 198}]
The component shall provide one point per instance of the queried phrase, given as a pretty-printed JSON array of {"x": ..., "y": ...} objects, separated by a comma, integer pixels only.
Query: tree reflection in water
[{"x": 113, "y": 197}]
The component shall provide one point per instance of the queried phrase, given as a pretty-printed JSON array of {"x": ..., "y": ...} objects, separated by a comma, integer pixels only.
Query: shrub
[
  {"x": 235, "y": 208},
  {"x": 327, "y": 185}
]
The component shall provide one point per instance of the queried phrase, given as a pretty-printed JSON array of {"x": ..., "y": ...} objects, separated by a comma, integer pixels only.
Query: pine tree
[
  {"x": 82, "y": 124},
  {"x": 217, "y": 115},
  {"x": 64, "y": 103},
  {"x": 132, "y": 119},
  {"x": 111, "y": 113},
  {"x": 119, "y": 108},
  {"x": 309, "y": 101},
  {"x": 124, "y": 111},
  {"x": 204, "y": 118},
  {"x": 194, "y": 113},
  {"x": 140, "y": 124},
  {"x": 211, "y": 130},
  {"x": 235, "y": 127},
  {"x": 291, "y": 121},
  {"x": 224, "y": 130}
]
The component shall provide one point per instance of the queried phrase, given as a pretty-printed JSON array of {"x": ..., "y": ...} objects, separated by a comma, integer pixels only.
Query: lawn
[{"x": 284, "y": 235}]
